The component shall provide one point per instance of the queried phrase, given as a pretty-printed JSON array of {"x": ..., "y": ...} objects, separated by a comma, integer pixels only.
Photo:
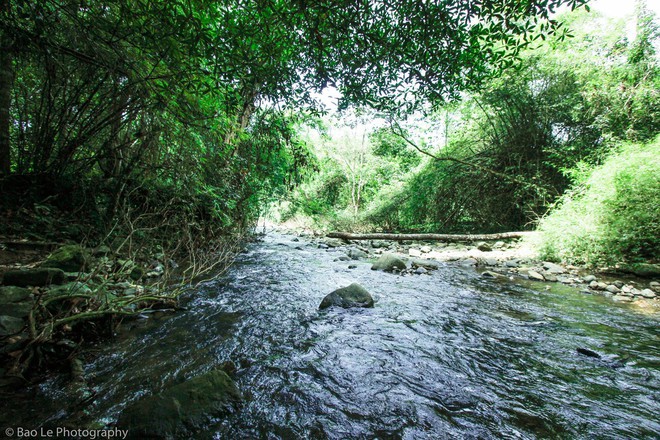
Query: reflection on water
[{"x": 446, "y": 355}]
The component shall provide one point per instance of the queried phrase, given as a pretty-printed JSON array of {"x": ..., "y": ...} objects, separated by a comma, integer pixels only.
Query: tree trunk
[
  {"x": 430, "y": 237},
  {"x": 6, "y": 80}
]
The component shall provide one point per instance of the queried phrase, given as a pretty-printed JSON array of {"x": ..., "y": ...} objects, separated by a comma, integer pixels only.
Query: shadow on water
[{"x": 446, "y": 355}]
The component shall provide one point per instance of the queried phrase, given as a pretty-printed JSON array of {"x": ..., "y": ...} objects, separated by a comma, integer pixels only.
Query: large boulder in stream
[
  {"x": 347, "y": 297},
  {"x": 183, "y": 409},
  {"x": 389, "y": 263}
]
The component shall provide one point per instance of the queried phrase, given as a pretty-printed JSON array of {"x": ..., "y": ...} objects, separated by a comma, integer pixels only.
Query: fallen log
[{"x": 429, "y": 237}]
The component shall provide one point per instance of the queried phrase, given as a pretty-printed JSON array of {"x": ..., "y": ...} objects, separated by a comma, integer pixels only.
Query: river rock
[
  {"x": 10, "y": 325},
  {"x": 511, "y": 263},
  {"x": 69, "y": 258},
  {"x": 183, "y": 409},
  {"x": 589, "y": 278},
  {"x": 33, "y": 277},
  {"x": 553, "y": 268},
  {"x": 484, "y": 247},
  {"x": 388, "y": 263},
  {"x": 356, "y": 254},
  {"x": 498, "y": 245},
  {"x": 426, "y": 264},
  {"x": 425, "y": 249},
  {"x": 414, "y": 252},
  {"x": 622, "y": 298},
  {"x": 420, "y": 270},
  {"x": 533, "y": 275},
  {"x": 613, "y": 289},
  {"x": 468, "y": 262},
  {"x": 648, "y": 293},
  {"x": 490, "y": 261},
  {"x": 655, "y": 286},
  {"x": 14, "y": 294},
  {"x": 347, "y": 297}
]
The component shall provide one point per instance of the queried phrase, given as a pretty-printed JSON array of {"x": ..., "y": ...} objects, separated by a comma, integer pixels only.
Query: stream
[{"x": 443, "y": 355}]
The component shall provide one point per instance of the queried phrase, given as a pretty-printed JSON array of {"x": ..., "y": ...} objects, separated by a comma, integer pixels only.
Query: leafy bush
[{"x": 613, "y": 216}]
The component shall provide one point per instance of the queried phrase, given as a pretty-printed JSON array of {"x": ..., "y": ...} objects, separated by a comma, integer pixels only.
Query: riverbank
[{"x": 508, "y": 259}]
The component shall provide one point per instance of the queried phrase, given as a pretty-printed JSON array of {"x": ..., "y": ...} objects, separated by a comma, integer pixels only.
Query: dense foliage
[
  {"x": 502, "y": 157},
  {"x": 197, "y": 101},
  {"x": 613, "y": 215}
]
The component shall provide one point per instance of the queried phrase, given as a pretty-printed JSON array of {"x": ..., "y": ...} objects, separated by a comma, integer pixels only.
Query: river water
[{"x": 440, "y": 356}]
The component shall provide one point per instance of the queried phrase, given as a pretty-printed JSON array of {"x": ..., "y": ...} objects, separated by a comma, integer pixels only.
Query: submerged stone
[
  {"x": 347, "y": 297},
  {"x": 182, "y": 409}
]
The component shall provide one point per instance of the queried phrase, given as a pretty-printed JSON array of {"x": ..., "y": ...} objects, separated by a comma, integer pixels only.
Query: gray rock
[
  {"x": 356, "y": 254},
  {"x": 414, "y": 252},
  {"x": 425, "y": 249},
  {"x": 33, "y": 277},
  {"x": 347, "y": 297},
  {"x": 484, "y": 247},
  {"x": 618, "y": 283},
  {"x": 533, "y": 275},
  {"x": 426, "y": 264},
  {"x": 498, "y": 245},
  {"x": 352, "y": 266},
  {"x": 69, "y": 258},
  {"x": 343, "y": 258},
  {"x": 655, "y": 286},
  {"x": 589, "y": 278},
  {"x": 183, "y": 409},
  {"x": 553, "y": 268},
  {"x": 17, "y": 309},
  {"x": 323, "y": 246},
  {"x": 420, "y": 270},
  {"x": 612, "y": 289},
  {"x": 622, "y": 298},
  {"x": 648, "y": 293},
  {"x": 550, "y": 277},
  {"x": 468, "y": 262},
  {"x": 511, "y": 263},
  {"x": 13, "y": 294},
  {"x": 388, "y": 263},
  {"x": 10, "y": 325},
  {"x": 490, "y": 261}
]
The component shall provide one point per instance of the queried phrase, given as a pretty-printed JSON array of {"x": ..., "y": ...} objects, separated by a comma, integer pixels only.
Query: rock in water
[
  {"x": 182, "y": 409},
  {"x": 388, "y": 263},
  {"x": 349, "y": 296},
  {"x": 587, "y": 352}
]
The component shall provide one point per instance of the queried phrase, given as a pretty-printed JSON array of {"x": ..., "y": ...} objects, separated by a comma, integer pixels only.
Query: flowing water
[{"x": 446, "y": 355}]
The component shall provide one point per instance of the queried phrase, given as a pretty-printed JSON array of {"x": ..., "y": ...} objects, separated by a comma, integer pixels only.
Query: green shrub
[{"x": 613, "y": 216}]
